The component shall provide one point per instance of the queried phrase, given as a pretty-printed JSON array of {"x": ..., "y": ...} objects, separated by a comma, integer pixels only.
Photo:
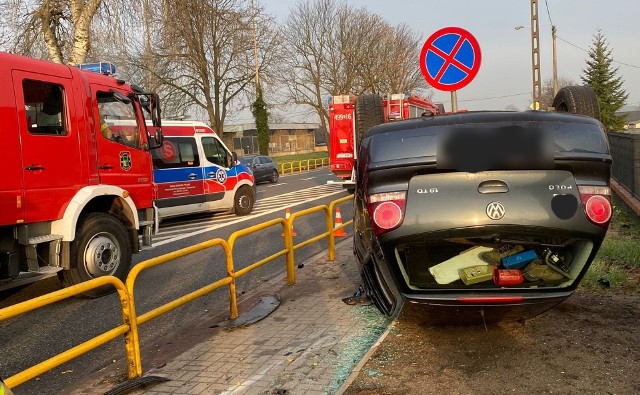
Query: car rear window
[{"x": 423, "y": 142}]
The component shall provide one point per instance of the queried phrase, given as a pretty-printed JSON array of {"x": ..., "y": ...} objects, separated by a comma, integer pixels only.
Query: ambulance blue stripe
[
  {"x": 182, "y": 174},
  {"x": 178, "y": 174}
]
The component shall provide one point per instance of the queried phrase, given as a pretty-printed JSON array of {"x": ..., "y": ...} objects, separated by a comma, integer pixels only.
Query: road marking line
[
  {"x": 246, "y": 218},
  {"x": 310, "y": 178}
]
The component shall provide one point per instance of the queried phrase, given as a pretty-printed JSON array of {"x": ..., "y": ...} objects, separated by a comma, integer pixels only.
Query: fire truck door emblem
[
  {"x": 221, "y": 176},
  {"x": 125, "y": 160}
]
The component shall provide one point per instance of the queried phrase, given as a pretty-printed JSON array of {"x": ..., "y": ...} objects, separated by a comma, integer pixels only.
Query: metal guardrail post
[
  {"x": 288, "y": 245},
  {"x": 132, "y": 339},
  {"x": 332, "y": 242}
]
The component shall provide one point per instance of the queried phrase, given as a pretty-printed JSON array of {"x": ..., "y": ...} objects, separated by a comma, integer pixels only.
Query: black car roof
[{"x": 481, "y": 117}]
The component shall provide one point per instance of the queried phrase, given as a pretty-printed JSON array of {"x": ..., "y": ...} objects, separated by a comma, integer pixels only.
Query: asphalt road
[{"x": 33, "y": 337}]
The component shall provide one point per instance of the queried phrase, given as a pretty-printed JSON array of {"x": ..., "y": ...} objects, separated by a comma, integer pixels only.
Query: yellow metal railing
[
  {"x": 126, "y": 291},
  {"x": 125, "y": 328},
  {"x": 300, "y": 165}
]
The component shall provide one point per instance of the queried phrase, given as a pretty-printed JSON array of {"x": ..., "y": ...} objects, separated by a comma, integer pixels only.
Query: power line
[
  {"x": 587, "y": 51},
  {"x": 548, "y": 13},
  {"x": 490, "y": 98},
  {"x": 615, "y": 61}
]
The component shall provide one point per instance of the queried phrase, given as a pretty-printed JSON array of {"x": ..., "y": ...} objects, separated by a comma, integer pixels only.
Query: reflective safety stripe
[{"x": 1, "y": 388}]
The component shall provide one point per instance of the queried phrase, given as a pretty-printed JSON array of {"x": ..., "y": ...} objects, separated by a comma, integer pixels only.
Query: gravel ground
[{"x": 586, "y": 345}]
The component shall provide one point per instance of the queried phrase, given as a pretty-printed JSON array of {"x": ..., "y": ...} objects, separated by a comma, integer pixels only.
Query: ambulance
[{"x": 194, "y": 172}]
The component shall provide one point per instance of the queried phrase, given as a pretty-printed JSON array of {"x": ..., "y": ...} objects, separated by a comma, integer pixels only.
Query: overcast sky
[{"x": 505, "y": 75}]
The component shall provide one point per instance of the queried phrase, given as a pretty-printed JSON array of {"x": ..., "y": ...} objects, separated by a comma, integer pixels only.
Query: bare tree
[
  {"x": 63, "y": 30},
  {"x": 308, "y": 39},
  {"x": 205, "y": 58},
  {"x": 547, "y": 90},
  {"x": 333, "y": 48},
  {"x": 391, "y": 65}
]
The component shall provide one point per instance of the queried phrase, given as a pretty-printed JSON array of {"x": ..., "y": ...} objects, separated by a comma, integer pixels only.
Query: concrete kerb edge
[{"x": 358, "y": 368}]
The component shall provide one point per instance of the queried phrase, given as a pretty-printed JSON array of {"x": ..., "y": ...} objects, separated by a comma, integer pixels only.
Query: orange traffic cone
[
  {"x": 287, "y": 214},
  {"x": 338, "y": 232}
]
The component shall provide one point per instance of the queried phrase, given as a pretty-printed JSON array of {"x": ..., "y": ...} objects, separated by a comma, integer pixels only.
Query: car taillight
[
  {"x": 386, "y": 210},
  {"x": 596, "y": 202}
]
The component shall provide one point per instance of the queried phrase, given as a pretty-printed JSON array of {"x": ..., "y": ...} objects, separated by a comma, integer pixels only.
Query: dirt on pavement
[{"x": 586, "y": 345}]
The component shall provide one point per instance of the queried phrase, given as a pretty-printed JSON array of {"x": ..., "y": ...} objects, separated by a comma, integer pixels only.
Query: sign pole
[{"x": 454, "y": 101}]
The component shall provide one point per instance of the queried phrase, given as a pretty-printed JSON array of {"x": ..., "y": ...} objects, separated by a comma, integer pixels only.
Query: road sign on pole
[{"x": 450, "y": 59}]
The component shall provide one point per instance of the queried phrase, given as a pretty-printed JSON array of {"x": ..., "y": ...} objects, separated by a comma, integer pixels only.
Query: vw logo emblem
[{"x": 495, "y": 210}]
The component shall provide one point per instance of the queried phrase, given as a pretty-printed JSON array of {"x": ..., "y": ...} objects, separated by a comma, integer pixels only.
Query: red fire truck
[
  {"x": 351, "y": 116},
  {"x": 75, "y": 194}
]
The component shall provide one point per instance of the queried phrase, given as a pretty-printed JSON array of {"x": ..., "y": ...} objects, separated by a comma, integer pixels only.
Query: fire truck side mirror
[
  {"x": 120, "y": 97},
  {"x": 155, "y": 140}
]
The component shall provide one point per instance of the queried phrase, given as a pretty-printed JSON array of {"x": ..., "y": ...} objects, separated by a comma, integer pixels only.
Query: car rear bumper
[{"x": 463, "y": 311}]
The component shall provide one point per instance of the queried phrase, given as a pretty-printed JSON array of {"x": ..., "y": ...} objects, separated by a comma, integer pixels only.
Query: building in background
[
  {"x": 631, "y": 119},
  {"x": 284, "y": 138}
]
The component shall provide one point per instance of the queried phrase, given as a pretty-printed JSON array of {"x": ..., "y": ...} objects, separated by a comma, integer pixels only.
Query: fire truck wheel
[
  {"x": 369, "y": 113},
  {"x": 101, "y": 248},
  {"x": 243, "y": 201},
  {"x": 274, "y": 177},
  {"x": 577, "y": 100}
]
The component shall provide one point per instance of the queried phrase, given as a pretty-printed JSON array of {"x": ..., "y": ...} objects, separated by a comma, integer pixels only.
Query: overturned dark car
[{"x": 480, "y": 216}]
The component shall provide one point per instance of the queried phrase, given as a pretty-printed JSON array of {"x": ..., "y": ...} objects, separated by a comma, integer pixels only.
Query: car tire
[
  {"x": 274, "y": 176},
  {"x": 101, "y": 248},
  {"x": 369, "y": 113},
  {"x": 243, "y": 201},
  {"x": 577, "y": 100}
]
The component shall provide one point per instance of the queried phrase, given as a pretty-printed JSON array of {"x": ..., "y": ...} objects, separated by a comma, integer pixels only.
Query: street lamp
[{"x": 555, "y": 60}]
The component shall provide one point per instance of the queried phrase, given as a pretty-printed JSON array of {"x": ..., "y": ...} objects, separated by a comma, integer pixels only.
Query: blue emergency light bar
[{"x": 101, "y": 68}]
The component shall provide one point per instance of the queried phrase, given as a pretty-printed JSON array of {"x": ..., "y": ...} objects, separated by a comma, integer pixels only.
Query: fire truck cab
[
  {"x": 73, "y": 196},
  {"x": 342, "y": 135}
]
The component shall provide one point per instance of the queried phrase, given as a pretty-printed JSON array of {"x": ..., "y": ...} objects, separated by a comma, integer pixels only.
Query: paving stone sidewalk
[{"x": 309, "y": 345}]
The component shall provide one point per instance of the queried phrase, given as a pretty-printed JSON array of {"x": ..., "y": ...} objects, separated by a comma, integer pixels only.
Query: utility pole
[
  {"x": 555, "y": 61},
  {"x": 535, "y": 55},
  {"x": 255, "y": 45}
]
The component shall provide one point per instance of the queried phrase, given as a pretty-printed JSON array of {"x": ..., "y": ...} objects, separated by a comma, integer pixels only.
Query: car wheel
[
  {"x": 369, "y": 113},
  {"x": 101, "y": 248},
  {"x": 577, "y": 100},
  {"x": 274, "y": 176},
  {"x": 243, "y": 201}
]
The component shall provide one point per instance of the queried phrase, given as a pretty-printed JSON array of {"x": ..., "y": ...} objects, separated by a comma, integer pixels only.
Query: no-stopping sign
[{"x": 450, "y": 59}]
